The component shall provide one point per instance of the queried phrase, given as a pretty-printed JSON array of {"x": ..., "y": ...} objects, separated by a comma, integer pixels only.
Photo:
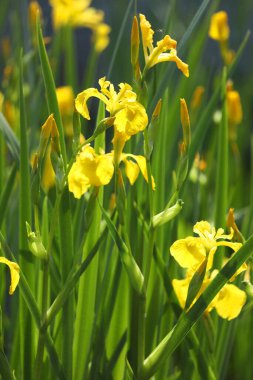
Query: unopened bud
[
  {"x": 185, "y": 121},
  {"x": 168, "y": 214},
  {"x": 35, "y": 244}
]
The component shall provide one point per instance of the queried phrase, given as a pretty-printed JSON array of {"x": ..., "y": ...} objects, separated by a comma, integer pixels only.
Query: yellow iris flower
[
  {"x": 228, "y": 302},
  {"x": 159, "y": 53},
  {"x": 14, "y": 271},
  {"x": 130, "y": 115},
  {"x": 191, "y": 252},
  {"x": 91, "y": 169},
  {"x": 78, "y": 13}
]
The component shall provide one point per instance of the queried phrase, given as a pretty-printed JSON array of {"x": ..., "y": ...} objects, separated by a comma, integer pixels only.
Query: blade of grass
[
  {"x": 119, "y": 38},
  {"x": 10, "y": 138},
  {"x": 221, "y": 189},
  {"x": 6, "y": 192},
  {"x": 26, "y": 259},
  {"x": 50, "y": 89}
]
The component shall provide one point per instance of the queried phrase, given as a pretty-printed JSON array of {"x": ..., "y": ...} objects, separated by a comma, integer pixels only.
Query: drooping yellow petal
[
  {"x": 172, "y": 57},
  {"x": 82, "y": 98},
  {"x": 14, "y": 270},
  {"x": 189, "y": 252},
  {"x": 181, "y": 289},
  {"x": 230, "y": 301},
  {"x": 142, "y": 163},
  {"x": 132, "y": 170},
  {"x": 78, "y": 183},
  {"x": 90, "y": 169},
  {"x": 219, "y": 29}
]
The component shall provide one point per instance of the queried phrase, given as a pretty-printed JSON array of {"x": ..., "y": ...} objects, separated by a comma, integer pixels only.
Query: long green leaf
[{"x": 10, "y": 138}]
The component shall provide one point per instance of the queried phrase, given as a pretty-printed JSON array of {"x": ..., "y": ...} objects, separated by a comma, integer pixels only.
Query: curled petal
[
  {"x": 235, "y": 246},
  {"x": 14, "y": 270},
  {"x": 189, "y": 252},
  {"x": 82, "y": 98},
  {"x": 230, "y": 301},
  {"x": 172, "y": 57},
  {"x": 132, "y": 171},
  {"x": 77, "y": 181},
  {"x": 142, "y": 163}
]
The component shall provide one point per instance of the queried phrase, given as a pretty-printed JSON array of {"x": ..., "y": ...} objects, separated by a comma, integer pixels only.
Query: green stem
[
  {"x": 221, "y": 191},
  {"x": 26, "y": 259}
]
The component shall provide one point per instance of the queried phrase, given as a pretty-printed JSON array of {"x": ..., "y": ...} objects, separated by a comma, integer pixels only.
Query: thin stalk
[
  {"x": 70, "y": 55},
  {"x": 146, "y": 270},
  {"x": 221, "y": 190},
  {"x": 26, "y": 259}
]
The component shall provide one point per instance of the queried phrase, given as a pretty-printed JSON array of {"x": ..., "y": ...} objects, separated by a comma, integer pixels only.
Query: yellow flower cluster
[
  {"x": 130, "y": 117},
  {"x": 192, "y": 252},
  {"x": 164, "y": 51},
  {"x": 78, "y": 13},
  {"x": 91, "y": 169}
]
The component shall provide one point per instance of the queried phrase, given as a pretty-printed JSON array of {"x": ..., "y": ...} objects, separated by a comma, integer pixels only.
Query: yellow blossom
[
  {"x": 91, "y": 169},
  {"x": 191, "y": 252},
  {"x": 164, "y": 51},
  {"x": 14, "y": 271},
  {"x": 219, "y": 28},
  {"x": 227, "y": 303},
  {"x": 130, "y": 115},
  {"x": 78, "y": 13}
]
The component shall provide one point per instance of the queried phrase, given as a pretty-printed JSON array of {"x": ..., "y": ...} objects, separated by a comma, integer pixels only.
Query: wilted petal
[
  {"x": 82, "y": 98},
  {"x": 14, "y": 270}
]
